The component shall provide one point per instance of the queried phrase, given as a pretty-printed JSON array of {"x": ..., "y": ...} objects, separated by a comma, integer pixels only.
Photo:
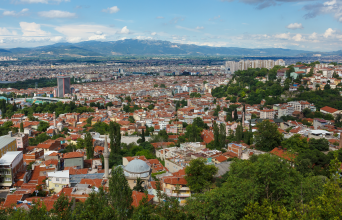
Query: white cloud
[
  {"x": 313, "y": 36},
  {"x": 112, "y": 10},
  {"x": 283, "y": 36},
  {"x": 32, "y": 29},
  {"x": 56, "y": 39},
  {"x": 6, "y": 32},
  {"x": 154, "y": 33},
  {"x": 43, "y": 1},
  {"x": 333, "y": 7},
  {"x": 13, "y": 13},
  {"x": 329, "y": 32},
  {"x": 199, "y": 28},
  {"x": 298, "y": 37},
  {"x": 160, "y": 17},
  {"x": 56, "y": 14},
  {"x": 295, "y": 26},
  {"x": 97, "y": 37},
  {"x": 77, "y": 33},
  {"x": 124, "y": 30}
]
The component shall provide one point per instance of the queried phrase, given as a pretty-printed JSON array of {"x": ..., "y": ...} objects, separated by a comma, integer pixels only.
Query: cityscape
[{"x": 123, "y": 115}]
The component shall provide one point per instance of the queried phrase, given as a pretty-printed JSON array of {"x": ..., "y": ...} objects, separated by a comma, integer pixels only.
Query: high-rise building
[{"x": 63, "y": 85}]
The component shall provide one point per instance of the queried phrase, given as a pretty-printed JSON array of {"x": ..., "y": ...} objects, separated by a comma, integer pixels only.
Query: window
[
  {"x": 8, "y": 179},
  {"x": 57, "y": 179},
  {"x": 63, "y": 180},
  {"x": 56, "y": 185}
]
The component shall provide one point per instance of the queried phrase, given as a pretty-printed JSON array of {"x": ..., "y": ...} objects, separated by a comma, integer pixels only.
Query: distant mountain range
[{"x": 148, "y": 47}]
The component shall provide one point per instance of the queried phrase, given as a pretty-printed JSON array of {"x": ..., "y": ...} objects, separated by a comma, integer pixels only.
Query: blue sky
[{"x": 313, "y": 25}]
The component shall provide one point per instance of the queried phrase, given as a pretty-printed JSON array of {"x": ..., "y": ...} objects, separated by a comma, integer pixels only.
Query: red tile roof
[
  {"x": 329, "y": 109},
  {"x": 12, "y": 199},
  {"x": 72, "y": 155},
  {"x": 138, "y": 196},
  {"x": 283, "y": 154}
]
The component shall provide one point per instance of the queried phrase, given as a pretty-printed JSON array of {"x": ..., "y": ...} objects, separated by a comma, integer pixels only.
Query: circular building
[{"x": 137, "y": 169}]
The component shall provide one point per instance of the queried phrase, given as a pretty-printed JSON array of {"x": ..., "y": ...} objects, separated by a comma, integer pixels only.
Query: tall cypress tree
[
  {"x": 216, "y": 136},
  {"x": 235, "y": 115},
  {"x": 88, "y": 141},
  {"x": 120, "y": 194},
  {"x": 142, "y": 136},
  {"x": 21, "y": 127},
  {"x": 223, "y": 136}
]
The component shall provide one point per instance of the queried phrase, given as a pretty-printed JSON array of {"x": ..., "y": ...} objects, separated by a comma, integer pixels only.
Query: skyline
[{"x": 303, "y": 25}]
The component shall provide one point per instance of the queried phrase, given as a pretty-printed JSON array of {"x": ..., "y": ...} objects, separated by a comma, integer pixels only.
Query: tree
[
  {"x": 327, "y": 87},
  {"x": 321, "y": 144},
  {"x": 138, "y": 187},
  {"x": 120, "y": 194},
  {"x": 88, "y": 141},
  {"x": 200, "y": 176},
  {"x": 131, "y": 119},
  {"x": 43, "y": 126},
  {"x": 236, "y": 117},
  {"x": 295, "y": 143},
  {"x": 21, "y": 127},
  {"x": 223, "y": 136},
  {"x": 62, "y": 207},
  {"x": 267, "y": 136},
  {"x": 216, "y": 136},
  {"x": 115, "y": 137}
]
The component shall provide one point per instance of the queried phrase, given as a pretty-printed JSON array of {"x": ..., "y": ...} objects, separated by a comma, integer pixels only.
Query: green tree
[
  {"x": 88, "y": 141},
  {"x": 21, "y": 127},
  {"x": 321, "y": 144},
  {"x": 216, "y": 136},
  {"x": 267, "y": 136},
  {"x": 43, "y": 126},
  {"x": 115, "y": 137},
  {"x": 131, "y": 119},
  {"x": 200, "y": 176},
  {"x": 223, "y": 136},
  {"x": 62, "y": 207},
  {"x": 138, "y": 186},
  {"x": 120, "y": 194}
]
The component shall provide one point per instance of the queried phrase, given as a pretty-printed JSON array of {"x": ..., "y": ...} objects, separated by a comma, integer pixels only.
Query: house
[
  {"x": 7, "y": 144},
  {"x": 73, "y": 159},
  {"x": 50, "y": 145},
  {"x": 329, "y": 110},
  {"x": 267, "y": 114},
  {"x": 175, "y": 186},
  {"x": 58, "y": 180},
  {"x": 138, "y": 196},
  {"x": 10, "y": 164},
  {"x": 219, "y": 159}
]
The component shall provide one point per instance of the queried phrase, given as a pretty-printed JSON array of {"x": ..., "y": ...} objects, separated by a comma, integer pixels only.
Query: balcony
[{"x": 178, "y": 195}]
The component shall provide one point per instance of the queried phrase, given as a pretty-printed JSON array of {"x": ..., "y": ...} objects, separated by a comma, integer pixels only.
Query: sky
[{"x": 314, "y": 25}]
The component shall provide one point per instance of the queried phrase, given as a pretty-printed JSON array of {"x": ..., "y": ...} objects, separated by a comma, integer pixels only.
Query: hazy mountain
[{"x": 146, "y": 47}]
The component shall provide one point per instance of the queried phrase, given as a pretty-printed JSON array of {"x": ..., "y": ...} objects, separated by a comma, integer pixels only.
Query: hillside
[{"x": 147, "y": 47}]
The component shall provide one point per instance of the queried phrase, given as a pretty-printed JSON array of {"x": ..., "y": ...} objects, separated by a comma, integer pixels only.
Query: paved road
[{"x": 3, "y": 193}]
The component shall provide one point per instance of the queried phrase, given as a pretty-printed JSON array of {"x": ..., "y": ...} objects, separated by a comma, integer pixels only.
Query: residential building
[
  {"x": 7, "y": 143},
  {"x": 58, "y": 180},
  {"x": 73, "y": 159},
  {"x": 10, "y": 164},
  {"x": 267, "y": 114}
]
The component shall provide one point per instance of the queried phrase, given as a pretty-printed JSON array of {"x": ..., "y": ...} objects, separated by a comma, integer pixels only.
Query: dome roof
[
  {"x": 59, "y": 124},
  {"x": 137, "y": 166}
]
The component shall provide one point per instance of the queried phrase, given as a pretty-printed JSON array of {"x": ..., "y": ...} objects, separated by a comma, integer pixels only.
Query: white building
[{"x": 58, "y": 180}]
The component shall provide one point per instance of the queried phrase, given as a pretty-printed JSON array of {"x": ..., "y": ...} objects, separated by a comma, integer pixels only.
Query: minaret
[
  {"x": 54, "y": 119},
  {"x": 106, "y": 156}
]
